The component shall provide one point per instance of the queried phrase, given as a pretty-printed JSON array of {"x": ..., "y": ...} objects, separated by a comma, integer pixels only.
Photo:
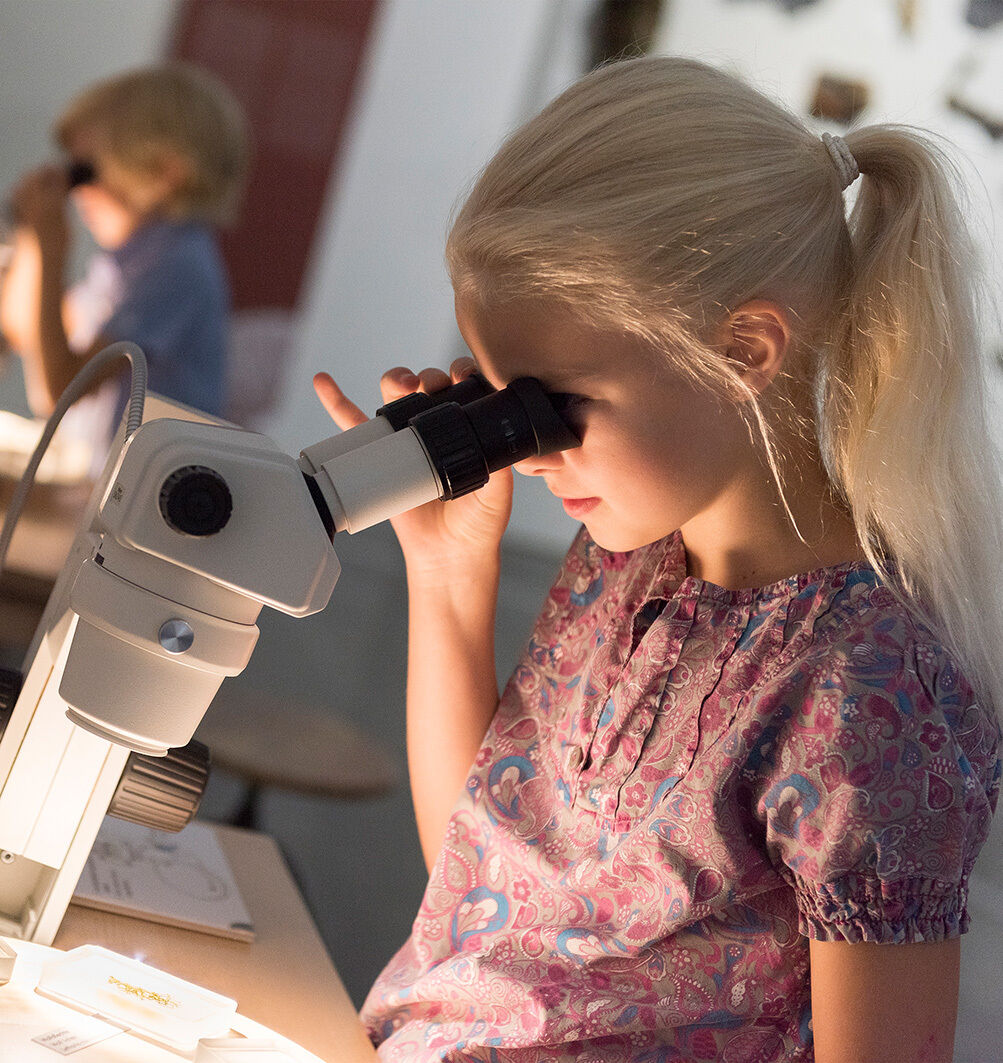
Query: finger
[
  {"x": 398, "y": 382},
  {"x": 433, "y": 380},
  {"x": 462, "y": 368},
  {"x": 343, "y": 411}
]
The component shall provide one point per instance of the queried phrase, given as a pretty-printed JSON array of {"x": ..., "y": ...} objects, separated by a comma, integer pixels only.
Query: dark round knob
[
  {"x": 195, "y": 500},
  {"x": 162, "y": 792}
]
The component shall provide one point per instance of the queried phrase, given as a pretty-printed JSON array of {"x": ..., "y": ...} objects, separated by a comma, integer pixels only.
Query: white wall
[
  {"x": 444, "y": 81},
  {"x": 910, "y": 75}
]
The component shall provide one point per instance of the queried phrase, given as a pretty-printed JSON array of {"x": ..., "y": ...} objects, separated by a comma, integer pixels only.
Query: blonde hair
[
  {"x": 659, "y": 194},
  {"x": 173, "y": 108}
]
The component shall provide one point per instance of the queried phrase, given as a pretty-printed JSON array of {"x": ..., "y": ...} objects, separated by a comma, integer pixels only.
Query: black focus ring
[
  {"x": 453, "y": 448},
  {"x": 401, "y": 412}
]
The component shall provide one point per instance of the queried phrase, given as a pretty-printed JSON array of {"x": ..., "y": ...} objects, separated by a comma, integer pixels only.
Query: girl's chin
[{"x": 618, "y": 540}]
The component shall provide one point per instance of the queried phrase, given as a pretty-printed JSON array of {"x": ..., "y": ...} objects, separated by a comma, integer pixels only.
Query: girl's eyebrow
[
  {"x": 560, "y": 380},
  {"x": 566, "y": 380}
]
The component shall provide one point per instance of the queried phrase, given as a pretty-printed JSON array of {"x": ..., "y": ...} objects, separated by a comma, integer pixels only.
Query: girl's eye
[
  {"x": 564, "y": 402},
  {"x": 570, "y": 407}
]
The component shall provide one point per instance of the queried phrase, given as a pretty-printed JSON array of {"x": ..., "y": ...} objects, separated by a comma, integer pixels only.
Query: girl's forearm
[
  {"x": 54, "y": 363},
  {"x": 19, "y": 293},
  {"x": 31, "y": 315},
  {"x": 451, "y": 691}
]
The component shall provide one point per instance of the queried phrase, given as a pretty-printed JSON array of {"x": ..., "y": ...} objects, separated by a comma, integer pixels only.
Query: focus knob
[
  {"x": 162, "y": 792},
  {"x": 195, "y": 500}
]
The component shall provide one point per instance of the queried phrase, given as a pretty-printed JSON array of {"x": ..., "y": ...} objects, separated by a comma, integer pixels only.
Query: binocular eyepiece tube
[{"x": 423, "y": 447}]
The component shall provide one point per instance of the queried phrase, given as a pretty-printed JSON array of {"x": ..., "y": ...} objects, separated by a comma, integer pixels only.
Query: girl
[
  {"x": 728, "y": 804},
  {"x": 165, "y": 152}
]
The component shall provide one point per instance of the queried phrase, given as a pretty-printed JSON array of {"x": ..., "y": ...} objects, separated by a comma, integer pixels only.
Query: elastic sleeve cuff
[{"x": 864, "y": 908}]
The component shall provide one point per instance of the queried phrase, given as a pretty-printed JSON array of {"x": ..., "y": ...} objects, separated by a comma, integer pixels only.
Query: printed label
[{"x": 85, "y": 1031}]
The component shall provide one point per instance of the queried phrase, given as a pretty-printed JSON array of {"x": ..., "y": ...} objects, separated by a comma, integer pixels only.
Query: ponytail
[{"x": 904, "y": 426}]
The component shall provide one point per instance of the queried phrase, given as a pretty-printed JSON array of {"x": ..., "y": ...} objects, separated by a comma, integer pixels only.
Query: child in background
[
  {"x": 163, "y": 155},
  {"x": 728, "y": 804}
]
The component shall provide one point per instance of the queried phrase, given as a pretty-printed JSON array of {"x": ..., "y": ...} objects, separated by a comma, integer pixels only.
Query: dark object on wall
[
  {"x": 622, "y": 29},
  {"x": 984, "y": 14},
  {"x": 992, "y": 124},
  {"x": 292, "y": 67},
  {"x": 838, "y": 99},
  {"x": 791, "y": 6},
  {"x": 975, "y": 94}
]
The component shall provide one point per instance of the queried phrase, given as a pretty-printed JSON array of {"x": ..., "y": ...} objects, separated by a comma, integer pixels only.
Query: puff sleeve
[{"x": 875, "y": 782}]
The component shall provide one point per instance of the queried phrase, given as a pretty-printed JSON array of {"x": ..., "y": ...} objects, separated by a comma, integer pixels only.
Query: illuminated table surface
[
  {"x": 25, "y": 1015},
  {"x": 284, "y": 980}
]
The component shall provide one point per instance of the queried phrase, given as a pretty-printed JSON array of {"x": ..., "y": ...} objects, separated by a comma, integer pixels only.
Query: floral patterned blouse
[{"x": 681, "y": 786}]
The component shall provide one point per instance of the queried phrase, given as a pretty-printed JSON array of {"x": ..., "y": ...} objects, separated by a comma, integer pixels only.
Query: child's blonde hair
[
  {"x": 659, "y": 194},
  {"x": 176, "y": 108}
]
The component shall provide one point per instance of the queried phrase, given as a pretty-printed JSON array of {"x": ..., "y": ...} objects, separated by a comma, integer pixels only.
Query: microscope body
[
  {"x": 129, "y": 580},
  {"x": 193, "y": 526}
]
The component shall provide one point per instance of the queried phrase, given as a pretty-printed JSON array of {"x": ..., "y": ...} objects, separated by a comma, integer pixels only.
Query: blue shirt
[{"x": 165, "y": 289}]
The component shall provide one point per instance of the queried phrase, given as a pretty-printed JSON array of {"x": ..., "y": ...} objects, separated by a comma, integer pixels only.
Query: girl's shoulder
[
  {"x": 870, "y": 634},
  {"x": 874, "y": 673}
]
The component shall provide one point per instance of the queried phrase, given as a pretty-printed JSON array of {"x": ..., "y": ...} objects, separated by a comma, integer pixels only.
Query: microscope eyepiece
[
  {"x": 465, "y": 444},
  {"x": 400, "y": 412},
  {"x": 80, "y": 172},
  {"x": 424, "y": 447}
]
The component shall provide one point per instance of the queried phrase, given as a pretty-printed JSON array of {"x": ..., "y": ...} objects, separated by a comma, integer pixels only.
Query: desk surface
[{"x": 284, "y": 980}]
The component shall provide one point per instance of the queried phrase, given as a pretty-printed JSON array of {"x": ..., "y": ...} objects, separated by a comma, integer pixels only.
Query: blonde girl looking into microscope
[{"x": 728, "y": 804}]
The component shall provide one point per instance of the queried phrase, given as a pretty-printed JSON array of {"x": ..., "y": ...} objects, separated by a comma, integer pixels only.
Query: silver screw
[
  {"x": 6, "y": 857},
  {"x": 176, "y": 635}
]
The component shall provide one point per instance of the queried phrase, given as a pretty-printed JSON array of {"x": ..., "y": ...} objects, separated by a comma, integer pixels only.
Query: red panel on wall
[{"x": 292, "y": 64}]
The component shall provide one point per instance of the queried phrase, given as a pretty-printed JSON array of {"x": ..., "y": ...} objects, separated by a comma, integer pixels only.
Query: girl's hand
[
  {"x": 39, "y": 203},
  {"x": 441, "y": 541}
]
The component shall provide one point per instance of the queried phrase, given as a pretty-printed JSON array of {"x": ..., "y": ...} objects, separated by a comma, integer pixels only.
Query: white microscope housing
[{"x": 193, "y": 526}]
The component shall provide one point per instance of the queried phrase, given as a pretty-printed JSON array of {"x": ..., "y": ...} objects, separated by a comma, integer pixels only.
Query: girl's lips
[{"x": 578, "y": 507}]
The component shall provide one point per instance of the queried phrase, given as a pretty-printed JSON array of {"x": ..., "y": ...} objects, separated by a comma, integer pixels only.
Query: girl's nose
[{"x": 540, "y": 464}]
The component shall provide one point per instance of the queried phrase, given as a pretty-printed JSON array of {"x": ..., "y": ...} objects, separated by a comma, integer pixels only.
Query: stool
[{"x": 265, "y": 740}]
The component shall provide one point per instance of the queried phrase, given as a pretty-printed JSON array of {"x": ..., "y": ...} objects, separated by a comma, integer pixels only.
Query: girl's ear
[
  {"x": 156, "y": 189},
  {"x": 755, "y": 338},
  {"x": 174, "y": 171}
]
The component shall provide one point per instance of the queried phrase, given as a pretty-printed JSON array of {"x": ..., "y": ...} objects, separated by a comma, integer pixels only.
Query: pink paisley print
[{"x": 682, "y": 784}]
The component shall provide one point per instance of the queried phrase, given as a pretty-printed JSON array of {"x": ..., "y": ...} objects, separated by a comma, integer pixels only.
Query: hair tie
[{"x": 842, "y": 159}]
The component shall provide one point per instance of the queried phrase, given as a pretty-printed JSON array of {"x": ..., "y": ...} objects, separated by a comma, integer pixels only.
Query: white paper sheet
[{"x": 178, "y": 879}]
